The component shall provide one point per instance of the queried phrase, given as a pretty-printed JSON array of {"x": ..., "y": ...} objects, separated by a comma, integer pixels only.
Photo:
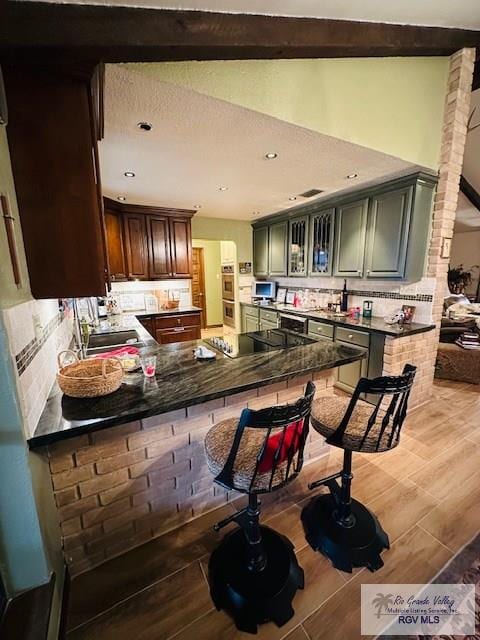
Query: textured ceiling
[
  {"x": 468, "y": 216},
  {"x": 471, "y": 159},
  {"x": 444, "y": 13},
  {"x": 199, "y": 143}
]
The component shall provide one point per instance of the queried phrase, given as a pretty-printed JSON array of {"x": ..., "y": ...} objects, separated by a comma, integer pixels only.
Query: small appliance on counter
[{"x": 264, "y": 291}]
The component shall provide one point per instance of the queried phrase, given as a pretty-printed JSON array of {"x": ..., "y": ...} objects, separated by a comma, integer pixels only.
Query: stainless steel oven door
[{"x": 293, "y": 323}]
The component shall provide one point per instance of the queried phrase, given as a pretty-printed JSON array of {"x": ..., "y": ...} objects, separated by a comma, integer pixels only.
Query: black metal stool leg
[
  {"x": 254, "y": 574},
  {"x": 342, "y": 528}
]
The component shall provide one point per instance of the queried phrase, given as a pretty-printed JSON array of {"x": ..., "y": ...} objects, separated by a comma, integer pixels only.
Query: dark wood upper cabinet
[
  {"x": 136, "y": 246},
  {"x": 155, "y": 242},
  {"x": 115, "y": 245},
  {"x": 52, "y": 134},
  {"x": 159, "y": 237},
  {"x": 181, "y": 247}
]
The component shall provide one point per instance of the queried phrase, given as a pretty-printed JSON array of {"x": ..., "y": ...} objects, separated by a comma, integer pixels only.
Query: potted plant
[{"x": 458, "y": 279}]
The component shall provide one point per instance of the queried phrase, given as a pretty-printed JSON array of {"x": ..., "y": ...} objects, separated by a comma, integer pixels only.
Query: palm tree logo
[{"x": 382, "y": 601}]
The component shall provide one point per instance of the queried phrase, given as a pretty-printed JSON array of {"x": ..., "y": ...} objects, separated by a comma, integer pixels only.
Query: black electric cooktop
[{"x": 246, "y": 344}]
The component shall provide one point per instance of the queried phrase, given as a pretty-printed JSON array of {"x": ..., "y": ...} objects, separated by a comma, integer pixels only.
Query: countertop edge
[
  {"x": 315, "y": 315},
  {"x": 36, "y": 442}
]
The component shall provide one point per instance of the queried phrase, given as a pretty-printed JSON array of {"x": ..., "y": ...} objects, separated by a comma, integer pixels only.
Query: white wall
[{"x": 466, "y": 251}]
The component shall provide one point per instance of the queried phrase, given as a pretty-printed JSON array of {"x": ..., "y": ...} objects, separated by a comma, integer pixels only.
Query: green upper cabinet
[
  {"x": 377, "y": 232},
  {"x": 298, "y": 246},
  {"x": 321, "y": 243},
  {"x": 278, "y": 249},
  {"x": 260, "y": 251},
  {"x": 388, "y": 233},
  {"x": 350, "y": 231}
]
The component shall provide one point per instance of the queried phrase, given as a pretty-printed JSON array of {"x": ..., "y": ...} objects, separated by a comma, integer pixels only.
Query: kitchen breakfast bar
[{"x": 131, "y": 465}]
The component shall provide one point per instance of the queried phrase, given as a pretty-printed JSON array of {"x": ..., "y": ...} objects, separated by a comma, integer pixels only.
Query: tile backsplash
[
  {"x": 36, "y": 331},
  {"x": 387, "y": 295},
  {"x": 182, "y": 288}
]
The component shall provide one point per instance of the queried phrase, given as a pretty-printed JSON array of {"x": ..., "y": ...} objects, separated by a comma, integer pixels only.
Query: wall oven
[
  {"x": 292, "y": 323},
  {"x": 228, "y": 313},
  {"x": 228, "y": 287}
]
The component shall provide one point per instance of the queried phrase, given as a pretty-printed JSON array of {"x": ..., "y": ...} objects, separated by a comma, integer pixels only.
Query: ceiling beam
[
  {"x": 470, "y": 192},
  {"x": 45, "y": 31}
]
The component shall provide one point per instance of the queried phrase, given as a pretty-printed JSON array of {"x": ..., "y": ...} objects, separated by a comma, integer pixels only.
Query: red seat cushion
[{"x": 291, "y": 441}]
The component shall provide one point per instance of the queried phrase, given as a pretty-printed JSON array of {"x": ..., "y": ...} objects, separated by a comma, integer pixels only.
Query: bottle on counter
[{"x": 344, "y": 297}]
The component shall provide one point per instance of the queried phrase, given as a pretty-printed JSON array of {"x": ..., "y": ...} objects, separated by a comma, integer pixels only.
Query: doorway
[{"x": 198, "y": 283}]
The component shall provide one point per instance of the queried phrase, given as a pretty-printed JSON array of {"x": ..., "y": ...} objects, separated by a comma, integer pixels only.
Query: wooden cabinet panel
[
  {"x": 178, "y": 320},
  {"x": 136, "y": 246},
  {"x": 260, "y": 251},
  {"x": 148, "y": 323},
  {"x": 387, "y": 234},
  {"x": 159, "y": 248},
  {"x": 180, "y": 334},
  {"x": 181, "y": 247},
  {"x": 115, "y": 246},
  {"x": 350, "y": 231},
  {"x": 53, "y": 154},
  {"x": 278, "y": 249}
]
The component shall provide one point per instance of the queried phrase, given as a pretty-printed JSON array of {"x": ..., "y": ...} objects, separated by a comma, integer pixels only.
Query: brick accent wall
[
  {"x": 120, "y": 487},
  {"x": 421, "y": 350}
]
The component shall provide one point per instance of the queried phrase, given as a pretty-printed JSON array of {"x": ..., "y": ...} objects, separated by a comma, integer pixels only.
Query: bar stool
[
  {"x": 253, "y": 573},
  {"x": 338, "y": 526}
]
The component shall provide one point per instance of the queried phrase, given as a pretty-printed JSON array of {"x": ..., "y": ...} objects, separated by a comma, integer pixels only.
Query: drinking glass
[{"x": 149, "y": 364}]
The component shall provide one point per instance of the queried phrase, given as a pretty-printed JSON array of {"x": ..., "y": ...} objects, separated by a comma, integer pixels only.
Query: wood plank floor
[{"x": 426, "y": 494}]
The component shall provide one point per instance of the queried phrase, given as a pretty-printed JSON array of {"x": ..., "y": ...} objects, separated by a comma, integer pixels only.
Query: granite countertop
[
  {"x": 162, "y": 312},
  {"x": 180, "y": 382},
  {"x": 374, "y": 324}
]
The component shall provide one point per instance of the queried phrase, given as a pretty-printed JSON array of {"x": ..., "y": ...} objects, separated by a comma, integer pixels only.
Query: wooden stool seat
[
  {"x": 218, "y": 445},
  {"x": 328, "y": 412}
]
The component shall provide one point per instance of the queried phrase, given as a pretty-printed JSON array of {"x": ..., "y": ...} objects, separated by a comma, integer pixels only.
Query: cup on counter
[{"x": 149, "y": 364}]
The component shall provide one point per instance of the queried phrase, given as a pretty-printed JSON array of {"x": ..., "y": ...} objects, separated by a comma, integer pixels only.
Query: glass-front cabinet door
[
  {"x": 297, "y": 246},
  {"x": 321, "y": 244}
]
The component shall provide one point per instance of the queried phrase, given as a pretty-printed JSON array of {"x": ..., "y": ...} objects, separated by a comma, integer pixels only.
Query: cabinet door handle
[
  {"x": 177, "y": 329},
  {"x": 179, "y": 321},
  {"x": 350, "y": 336}
]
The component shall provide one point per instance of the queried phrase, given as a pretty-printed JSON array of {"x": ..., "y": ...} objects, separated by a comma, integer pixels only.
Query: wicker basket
[{"x": 89, "y": 378}]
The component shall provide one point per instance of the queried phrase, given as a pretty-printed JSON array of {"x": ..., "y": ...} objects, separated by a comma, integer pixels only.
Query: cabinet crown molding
[
  {"x": 345, "y": 196},
  {"x": 146, "y": 209}
]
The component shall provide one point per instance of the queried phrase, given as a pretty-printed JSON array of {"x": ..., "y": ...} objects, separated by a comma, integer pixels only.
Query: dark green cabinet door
[
  {"x": 251, "y": 324},
  {"x": 278, "y": 249},
  {"x": 349, "y": 374},
  {"x": 298, "y": 246},
  {"x": 321, "y": 243},
  {"x": 260, "y": 251},
  {"x": 387, "y": 234},
  {"x": 350, "y": 231}
]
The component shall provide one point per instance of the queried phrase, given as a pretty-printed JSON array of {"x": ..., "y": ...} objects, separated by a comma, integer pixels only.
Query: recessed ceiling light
[
  {"x": 197, "y": 206},
  {"x": 255, "y": 213},
  {"x": 129, "y": 174},
  {"x": 271, "y": 155},
  {"x": 121, "y": 198},
  {"x": 352, "y": 175},
  {"x": 223, "y": 188},
  {"x": 292, "y": 198},
  {"x": 145, "y": 126}
]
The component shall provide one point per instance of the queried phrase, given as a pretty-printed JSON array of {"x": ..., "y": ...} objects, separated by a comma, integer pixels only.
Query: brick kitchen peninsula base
[{"x": 121, "y": 486}]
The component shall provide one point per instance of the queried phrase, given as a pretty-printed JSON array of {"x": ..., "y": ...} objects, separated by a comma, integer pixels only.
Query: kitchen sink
[{"x": 105, "y": 341}]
